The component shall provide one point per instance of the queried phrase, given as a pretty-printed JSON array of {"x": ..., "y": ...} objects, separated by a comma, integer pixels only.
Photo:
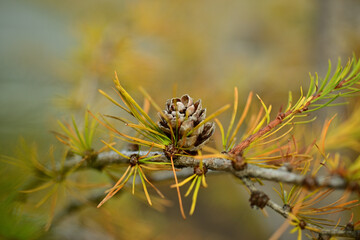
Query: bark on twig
[
  {"x": 279, "y": 209},
  {"x": 217, "y": 164}
]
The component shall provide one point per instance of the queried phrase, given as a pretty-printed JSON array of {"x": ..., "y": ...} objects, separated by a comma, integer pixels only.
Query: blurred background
[{"x": 55, "y": 55}]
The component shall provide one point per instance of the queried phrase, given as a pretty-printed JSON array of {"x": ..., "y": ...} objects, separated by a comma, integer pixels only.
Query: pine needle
[
  {"x": 233, "y": 114},
  {"x": 242, "y": 118},
  {"x": 177, "y": 188},
  {"x": 108, "y": 196},
  {"x": 145, "y": 189},
  {"x": 195, "y": 194}
]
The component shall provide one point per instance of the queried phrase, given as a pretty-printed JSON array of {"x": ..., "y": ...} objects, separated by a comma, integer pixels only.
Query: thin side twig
[{"x": 277, "y": 208}]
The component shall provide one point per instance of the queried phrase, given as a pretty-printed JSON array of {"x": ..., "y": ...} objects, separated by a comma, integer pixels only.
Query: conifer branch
[
  {"x": 280, "y": 210},
  {"x": 181, "y": 132},
  {"x": 343, "y": 80},
  {"x": 218, "y": 164}
]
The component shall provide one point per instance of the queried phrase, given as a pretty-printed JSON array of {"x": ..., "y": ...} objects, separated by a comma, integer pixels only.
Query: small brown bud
[
  {"x": 134, "y": 159},
  {"x": 302, "y": 224},
  {"x": 281, "y": 116},
  {"x": 133, "y": 147},
  {"x": 258, "y": 199},
  {"x": 349, "y": 227},
  {"x": 353, "y": 186},
  {"x": 70, "y": 154},
  {"x": 200, "y": 171},
  {"x": 287, "y": 208}
]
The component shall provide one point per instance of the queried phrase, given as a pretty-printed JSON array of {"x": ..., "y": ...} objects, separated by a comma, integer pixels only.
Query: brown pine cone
[{"x": 183, "y": 115}]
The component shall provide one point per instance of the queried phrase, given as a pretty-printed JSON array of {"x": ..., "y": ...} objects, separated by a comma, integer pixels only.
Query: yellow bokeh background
[{"x": 55, "y": 55}]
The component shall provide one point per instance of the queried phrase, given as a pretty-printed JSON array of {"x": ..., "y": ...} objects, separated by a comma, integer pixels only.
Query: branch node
[
  {"x": 239, "y": 164},
  {"x": 200, "y": 171},
  {"x": 170, "y": 151},
  {"x": 91, "y": 157},
  {"x": 302, "y": 224},
  {"x": 349, "y": 227},
  {"x": 286, "y": 167},
  {"x": 287, "y": 208},
  {"x": 309, "y": 182},
  {"x": 134, "y": 159},
  {"x": 281, "y": 116}
]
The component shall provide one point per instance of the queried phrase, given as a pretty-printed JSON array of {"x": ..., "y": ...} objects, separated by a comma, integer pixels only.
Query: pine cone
[{"x": 188, "y": 115}]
